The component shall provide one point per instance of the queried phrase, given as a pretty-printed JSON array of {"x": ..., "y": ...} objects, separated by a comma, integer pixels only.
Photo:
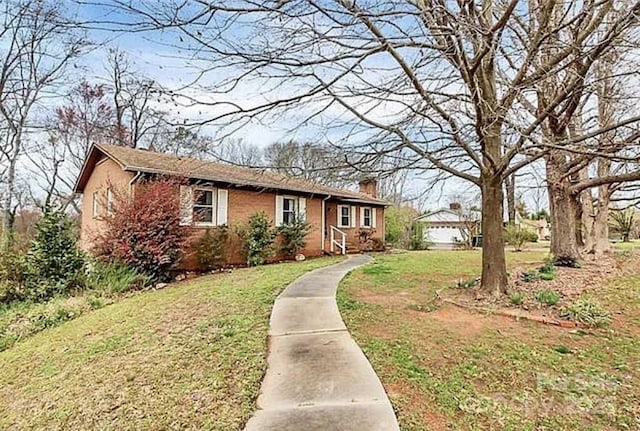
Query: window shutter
[
  {"x": 361, "y": 216},
  {"x": 373, "y": 217},
  {"x": 279, "y": 209},
  {"x": 302, "y": 208},
  {"x": 109, "y": 202},
  {"x": 221, "y": 211},
  {"x": 186, "y": 205},
  {"x": 353, "y": 217}
]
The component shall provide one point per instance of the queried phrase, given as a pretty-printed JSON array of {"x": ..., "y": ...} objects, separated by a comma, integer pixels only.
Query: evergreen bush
[
  {"x": 54, "y": 263},
  {"x": 210, "y": 247},
  {"x": 258, "y": 238},
  {"x": 293, "y": 236}
]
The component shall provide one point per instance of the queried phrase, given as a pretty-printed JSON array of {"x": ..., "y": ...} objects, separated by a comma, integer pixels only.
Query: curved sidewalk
[{"x": 318, "y": 378}]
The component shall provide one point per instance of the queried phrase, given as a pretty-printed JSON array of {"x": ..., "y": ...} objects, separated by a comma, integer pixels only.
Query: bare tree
[
  {"x": 447, "y": 81},
  {"x": 571, "y": 145},
  {"x": 138, "y": 123},
  {"x": 36, "y": 45}
]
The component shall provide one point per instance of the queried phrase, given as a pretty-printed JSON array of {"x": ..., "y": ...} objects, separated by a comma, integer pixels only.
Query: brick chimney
[
  {"x": 455, "y": 206},
  {"x": 369, "y": 186}
]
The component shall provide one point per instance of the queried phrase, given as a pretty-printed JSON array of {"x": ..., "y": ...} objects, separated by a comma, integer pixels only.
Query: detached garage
[{"x": 443, "y": 227}]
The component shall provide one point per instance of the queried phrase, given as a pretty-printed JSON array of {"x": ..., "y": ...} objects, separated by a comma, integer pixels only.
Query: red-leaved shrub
[{"x": 143, "y": 231}]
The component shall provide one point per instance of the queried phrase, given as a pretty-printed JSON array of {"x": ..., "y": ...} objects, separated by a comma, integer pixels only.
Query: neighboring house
[
  {"x": 220, "y": 194},
  {"x": 446, "y": 226}
]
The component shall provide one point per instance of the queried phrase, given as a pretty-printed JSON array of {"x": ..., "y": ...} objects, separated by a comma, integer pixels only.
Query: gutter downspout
[
  {"x": 133, "y": 181},
  {"x": 323, "y": 221}
]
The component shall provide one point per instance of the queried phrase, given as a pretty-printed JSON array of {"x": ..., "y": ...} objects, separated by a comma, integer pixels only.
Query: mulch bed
[{"x": 569, "y": 283}]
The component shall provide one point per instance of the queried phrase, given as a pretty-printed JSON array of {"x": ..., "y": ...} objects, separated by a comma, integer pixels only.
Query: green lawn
[
  {"x": 452, "y": 369},
  {"x": 630, "y": 245},
  {"x": 190, "y": 356}
]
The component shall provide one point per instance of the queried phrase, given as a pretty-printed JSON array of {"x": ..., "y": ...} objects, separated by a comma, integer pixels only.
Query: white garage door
[{"x": 441, "y": 235}]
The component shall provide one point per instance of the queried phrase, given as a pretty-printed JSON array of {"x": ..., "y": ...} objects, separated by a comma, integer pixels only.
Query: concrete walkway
[{"x": 318, "y": 378}]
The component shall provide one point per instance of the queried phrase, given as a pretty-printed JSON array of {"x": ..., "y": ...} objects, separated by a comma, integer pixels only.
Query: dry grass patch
[{"x": 191, "y": 356}]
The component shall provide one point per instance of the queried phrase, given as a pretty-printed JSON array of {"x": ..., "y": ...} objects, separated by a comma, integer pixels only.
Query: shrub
[
  {"x": 588, "y": 311},
  {"x": 294, "y": 236},
  {"x": 376, "y": 244},
  {"x": 466, "y": 284},
  {"x": 95, "y": 302},
  {"x": 258, "y": 238},
  {"x": 115, "y": 277},
  {"x": 517, "y": 236},
  {"x": 416, "y": 240},
  {"x": 548, "y": 297},
  {"x": 516, "y": 298},
  {"x": 145, "y": 232},
  {"x": 210, "y": 247},
  {"x": 547, "y": 276},
  {"x": 11, "y": 277},
  {"x": 53, "y": 263},
  {"x": 548, "y": 267},
  {"x": 398, "y": 225},
  {"x": 530, "y": 276}
]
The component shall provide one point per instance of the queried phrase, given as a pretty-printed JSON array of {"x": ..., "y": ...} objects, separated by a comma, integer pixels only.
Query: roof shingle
[{"x": 136, "y": 160}]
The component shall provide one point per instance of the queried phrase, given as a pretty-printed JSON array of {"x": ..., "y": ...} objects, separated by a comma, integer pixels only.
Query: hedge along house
[{"x": 217, "y": 194}]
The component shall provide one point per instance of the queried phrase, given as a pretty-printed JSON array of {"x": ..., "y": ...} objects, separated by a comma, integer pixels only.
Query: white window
[
  {"x": 109, "y": 202},
  {"x": 288, "y": 208},
  {"x": 367, "y": 217},
  {"x": 202, "y": 206},
  {"x": 96, "y": 204},
  {"x": 344, "y": 216}
]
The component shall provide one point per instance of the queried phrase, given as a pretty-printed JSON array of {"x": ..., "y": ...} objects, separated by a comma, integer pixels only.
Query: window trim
[
  {"x": 213, "y": 206},
  {"x": 364, "y": 218},
  {"x": 296, "y": 206},
  {"x": 96, "y": 204},
  {"x": 340, "y": 216},
  {"x": 109, "y": 201}
]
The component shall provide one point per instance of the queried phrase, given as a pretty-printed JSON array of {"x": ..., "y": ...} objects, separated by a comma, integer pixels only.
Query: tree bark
[
  {"x": 494, "y": 266},
  {"x": 563, "y": 206},
  {"x": 595, "y": 221},
  {"x": 510, "y": 185}
]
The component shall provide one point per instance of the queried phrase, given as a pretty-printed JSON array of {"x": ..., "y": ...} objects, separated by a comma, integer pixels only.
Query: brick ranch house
[{"x": 220, "y": 194}]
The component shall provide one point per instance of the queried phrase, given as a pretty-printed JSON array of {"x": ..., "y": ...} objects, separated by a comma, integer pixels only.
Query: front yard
[
  {"x": 449, "y": 368},
  {"x": 190, "y": 356}
]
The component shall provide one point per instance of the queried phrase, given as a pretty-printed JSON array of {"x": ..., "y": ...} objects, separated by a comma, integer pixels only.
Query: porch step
[{"x": 352, "y": 248}]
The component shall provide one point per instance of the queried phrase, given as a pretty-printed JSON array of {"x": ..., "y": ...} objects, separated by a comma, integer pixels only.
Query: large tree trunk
[
  {"x": 596, "y": 221},
  {"x": 581, "y": 228},
  {"x": 510, "y": 185},
  {"x": 563, "y": 206},
  {"x": 494, "y": 267},
  {"x": 588, "y": 215}
]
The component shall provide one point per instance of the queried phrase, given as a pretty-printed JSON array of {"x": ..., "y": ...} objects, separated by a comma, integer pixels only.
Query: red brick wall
[
  {"x": 241, "y": 204},
  {"x": 352, "y": 232},
  {"x": 106, "y": 173}
]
